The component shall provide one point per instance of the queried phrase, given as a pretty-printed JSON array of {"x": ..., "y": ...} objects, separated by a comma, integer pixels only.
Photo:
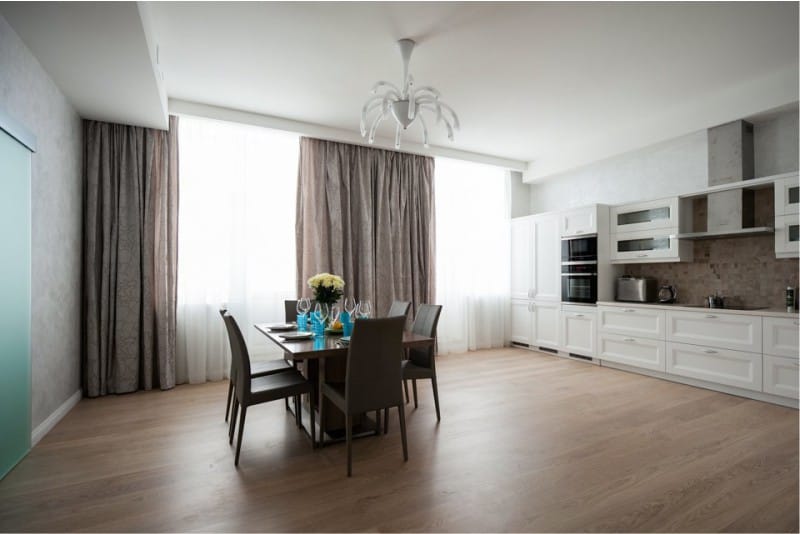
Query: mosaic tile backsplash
[{"x": 742, "y": 269}]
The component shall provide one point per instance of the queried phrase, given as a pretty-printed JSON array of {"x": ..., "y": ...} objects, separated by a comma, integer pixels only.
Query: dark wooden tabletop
[{"x": 327, "y": 345}]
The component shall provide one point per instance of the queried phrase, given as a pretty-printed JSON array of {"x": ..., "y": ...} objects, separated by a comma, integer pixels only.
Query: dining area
[{"x": 345, "y": 372}]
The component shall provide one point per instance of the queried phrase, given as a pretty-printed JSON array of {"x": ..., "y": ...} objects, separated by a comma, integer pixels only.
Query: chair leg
[
  {"x": 405, "y": 389},
  {"x": 414, "y": 387},
  {"x": 232, "y": 427},
  {"x": 386, "y": 420},
  {"x": 403, "y": 431},
  {"x": 298, "y": 411},
  {"x": 349, "y": 431},
  {"x": 286, "y": 400},
  {"x": 230, "y": 396},
  {"x": 436, "y": 396},
  {"x": 241, "y": 431},
  {"x": 322, "y": 422},
  {"x": 313, "y": 427}
]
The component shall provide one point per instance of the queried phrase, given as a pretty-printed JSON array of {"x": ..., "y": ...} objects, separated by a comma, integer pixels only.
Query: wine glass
[
  {"x": 321, "y": 311},
  {"x": 303, "y": 305},
  {"x": 350, "y": 305},
  {"x": 364, "y": 309},
  {"x": 335, "y": 311}
]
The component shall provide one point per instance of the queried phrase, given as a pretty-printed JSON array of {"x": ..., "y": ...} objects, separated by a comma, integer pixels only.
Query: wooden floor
[{"x": 527, "y": 442}]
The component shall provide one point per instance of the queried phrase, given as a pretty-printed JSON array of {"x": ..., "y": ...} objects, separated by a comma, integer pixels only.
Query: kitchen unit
[
  {"x": 787, "y": 217},
  {"x": 646, "y": 232}
]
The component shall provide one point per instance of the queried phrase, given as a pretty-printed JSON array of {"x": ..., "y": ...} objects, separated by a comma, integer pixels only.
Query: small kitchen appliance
[
  {"x": 632, "y": 289},
  {"x": 667, "y": 294}
]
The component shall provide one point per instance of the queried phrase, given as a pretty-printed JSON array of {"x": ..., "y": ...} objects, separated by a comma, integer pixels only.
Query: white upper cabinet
[
  {"x": 522, "y": 244},
  {"x": 650, "y": 246},
  {"x": 547, "y": 258},
  {"x": 787, "y": 196},
  {"x": 787, "y": 236},
  {"x": 645, "y": 216},
  {"x": 581, "y": 221}
]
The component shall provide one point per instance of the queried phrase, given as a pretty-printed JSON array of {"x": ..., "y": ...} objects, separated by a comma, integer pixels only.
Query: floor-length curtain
[
  {"x": 368, "y": 215},
  {"x": 130, "y": 254},
  {"x": 238, "y": 186},
  {"x": 472, "y": 255}
]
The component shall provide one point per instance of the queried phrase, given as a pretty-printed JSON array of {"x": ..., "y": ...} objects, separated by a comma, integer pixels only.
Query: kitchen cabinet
[
  {"x": 724, "y": 330},
  {"x": 781, "y": 376},
  {"x": 638, "y": 352},
  {"x": 546, "y": 319},
  {"x": 632, "y": 321},
  {"x": 521, "y": 322},
  {"x": 578, "y": 330},
  {"x": 645, "y": 216},
  {"x": 536, "y": 258},
  {"x": 655, "y": 246},
  {"x": 787, "y": 196},
  {"x": 787, "y": 236},
  {"x": 714, "y": 364},
  {"x": 581, "y": 221},
  {"x": 781, "y": 337},
  {"x": 521, "y": 252}
]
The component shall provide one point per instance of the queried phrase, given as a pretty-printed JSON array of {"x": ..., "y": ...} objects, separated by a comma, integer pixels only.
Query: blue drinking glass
[{"x": 302, "y": 323}]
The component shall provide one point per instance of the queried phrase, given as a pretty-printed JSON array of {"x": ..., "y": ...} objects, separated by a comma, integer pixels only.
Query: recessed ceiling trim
[{"x": 182, "y": 107}]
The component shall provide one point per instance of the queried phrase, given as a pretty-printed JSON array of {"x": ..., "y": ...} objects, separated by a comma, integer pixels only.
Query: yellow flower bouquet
[{"x": 328, "y": 288}]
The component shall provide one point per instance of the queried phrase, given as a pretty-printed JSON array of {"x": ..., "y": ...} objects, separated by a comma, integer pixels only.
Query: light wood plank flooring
[{"x": 527, "y": 442}]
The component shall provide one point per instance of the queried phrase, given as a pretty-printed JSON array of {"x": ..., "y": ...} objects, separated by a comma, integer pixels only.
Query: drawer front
[
  {"x": 787, "y": 196},
  {"x": 638, "y": 352},
  {"x": 781, "y": 376},
  {"x": 645, "y": 246},
  {"x": 781, "y": 337},
  {"x": 546, "y": 319},
  {"x": 578, "y": 331},
  {"x": 787, "y": 236},
  {"x": 728, "y": 331},
  {"x": 645, "y": 216},
  {"x": 722, "y": 366},
  {"x": 632, "y": 322},
  {"x": 579, "y": 222}
]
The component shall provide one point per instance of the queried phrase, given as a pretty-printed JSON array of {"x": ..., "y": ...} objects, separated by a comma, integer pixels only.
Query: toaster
[{"x": 631, "y": 289}]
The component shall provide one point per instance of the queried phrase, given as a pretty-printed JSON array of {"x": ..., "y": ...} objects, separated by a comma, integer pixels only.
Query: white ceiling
[{"x": 557, "y": 84}]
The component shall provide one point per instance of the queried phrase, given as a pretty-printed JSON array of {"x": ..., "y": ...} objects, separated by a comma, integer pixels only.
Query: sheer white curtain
[
  {"x": 235, "y": 239},
  {"x": 472, "y": 255}
]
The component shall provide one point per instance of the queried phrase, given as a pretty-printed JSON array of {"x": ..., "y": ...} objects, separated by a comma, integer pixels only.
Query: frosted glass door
[{"x": 15, "y": 283}]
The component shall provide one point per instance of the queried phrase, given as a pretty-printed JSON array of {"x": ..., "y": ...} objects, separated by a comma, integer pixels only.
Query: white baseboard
[{"x": 52, "y": 420}]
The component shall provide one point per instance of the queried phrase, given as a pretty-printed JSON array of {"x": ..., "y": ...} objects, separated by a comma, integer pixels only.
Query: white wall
[
  {"x": 671, "y": 168},
  {"x": 29, "y": 95},
  {"x": 520, "y": 195}
]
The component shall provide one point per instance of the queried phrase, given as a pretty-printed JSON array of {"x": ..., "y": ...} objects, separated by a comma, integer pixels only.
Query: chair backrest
[
  {"x": 425, "y": 324},
  {"x": 290, "y": 310},
  {"x": 239, "y": 356},
  {"x": 373, "y": 365},
  {"x": 399, "y": 308}
]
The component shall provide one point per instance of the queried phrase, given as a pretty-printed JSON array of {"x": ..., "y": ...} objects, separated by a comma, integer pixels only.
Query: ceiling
[{"x": 555, "y": 84}]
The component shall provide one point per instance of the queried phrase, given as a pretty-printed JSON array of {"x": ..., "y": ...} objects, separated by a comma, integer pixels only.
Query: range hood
[{"x": 731, "y": 213}]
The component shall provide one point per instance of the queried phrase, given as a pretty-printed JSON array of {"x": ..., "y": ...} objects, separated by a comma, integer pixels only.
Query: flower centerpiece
[{"x": 328, "y": 288}]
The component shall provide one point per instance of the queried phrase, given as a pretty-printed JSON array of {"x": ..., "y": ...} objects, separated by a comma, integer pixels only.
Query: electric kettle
[{"x": 667, "y": 294}]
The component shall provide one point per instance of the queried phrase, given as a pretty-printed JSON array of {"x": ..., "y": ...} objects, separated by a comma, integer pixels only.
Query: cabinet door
[
  {"x": 780, "y": 337},
  {"x": 726, "y": 330},
  {"x": 521, "y": 322},
  {"x": 632, "y": 322},
  {"x": 721, "y": 366},
  {"x": 787, "y": 196},
  {"x": 581, "y": 221},
  {"x": 578, "y": 329},
  {"x": 781, "y": 376},
  {"x": 787, "y": 236},
  {"x": 546, "y": 319},
  {"x": 645, "y": 216},
  {"x": 521, "y": 256},
  {"x": 659, "y": 245},
  {"x": 635, "y": 351},
  {"x": 547, "y": 259}
]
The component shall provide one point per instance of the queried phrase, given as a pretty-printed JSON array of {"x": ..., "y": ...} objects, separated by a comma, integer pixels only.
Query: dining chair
[
  {"x": 250, "y": 390},
  {"x": 421, "y": 363},
  {"x": 290, "y": 310},
  {"x": 259, "y": 368},
  {"x": 399, "y": 308},
  {"x": 372, "y": 377}
]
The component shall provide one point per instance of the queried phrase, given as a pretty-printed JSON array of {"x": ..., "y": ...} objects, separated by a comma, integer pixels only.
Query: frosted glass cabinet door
[{"x": 15, "y": 283}]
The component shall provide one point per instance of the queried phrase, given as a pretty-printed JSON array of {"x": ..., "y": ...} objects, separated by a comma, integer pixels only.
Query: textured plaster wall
[{"x": 29, "y": 95}]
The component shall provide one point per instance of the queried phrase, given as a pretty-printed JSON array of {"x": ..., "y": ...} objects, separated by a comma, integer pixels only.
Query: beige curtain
[
  {"x": 367, "y": 215},
  {"x": 130, "y": 257}
]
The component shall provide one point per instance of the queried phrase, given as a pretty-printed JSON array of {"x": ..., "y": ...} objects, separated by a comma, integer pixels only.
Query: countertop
[{"x": 765, "y": 312}]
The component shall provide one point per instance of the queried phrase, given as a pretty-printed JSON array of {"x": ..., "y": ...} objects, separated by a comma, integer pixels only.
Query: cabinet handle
[
  {"x": 578, "y": 315},
  {"x": 709, "y": 351},
  {"x": 629, "y": 339},
  {"x": 578, "y": 231},
  {"x": 709, "y": 316},
  {"x": 642, "y": 255},
  {"x": 628, "y": 310}
]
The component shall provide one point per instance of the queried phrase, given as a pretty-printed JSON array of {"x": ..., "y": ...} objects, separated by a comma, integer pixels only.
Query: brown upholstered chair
[
  {"x": 399, "y": 308},
  {"x": 372, "y": 378},
  {"x": 421, "y": 363},
  {"x": 249, "y": 391},
  {"x": 260, "y": 368}
]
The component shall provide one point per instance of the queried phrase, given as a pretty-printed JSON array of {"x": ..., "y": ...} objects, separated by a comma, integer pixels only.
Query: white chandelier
[{"x": 406, "y": 105}]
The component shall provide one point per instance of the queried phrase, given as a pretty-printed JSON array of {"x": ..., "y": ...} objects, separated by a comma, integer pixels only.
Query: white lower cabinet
[
  {"x": 781, "y": 337},
  {"x": 578, "y": 329},
  {"x": 719, "y": 365},
  {"x": 546, "y": 319},
  {"x": 638, "y": 352},
  {"x": 725, "y": 330},
  {"x": 521, "y": 322},
  {"x": 632, "y": 321},
  {"x": 781, "y": 376}
]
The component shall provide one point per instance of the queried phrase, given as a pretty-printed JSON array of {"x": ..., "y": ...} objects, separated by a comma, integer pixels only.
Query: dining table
[{"x": 325, "y": 357}]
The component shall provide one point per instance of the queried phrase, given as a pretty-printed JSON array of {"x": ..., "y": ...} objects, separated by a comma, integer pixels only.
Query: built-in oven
[
  {"x": 579, "y": 249},
  {"x": 579, "y": 282}
]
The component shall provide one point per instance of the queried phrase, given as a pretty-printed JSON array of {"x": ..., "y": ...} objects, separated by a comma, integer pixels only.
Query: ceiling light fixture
[{"x": 406, "y": 105}]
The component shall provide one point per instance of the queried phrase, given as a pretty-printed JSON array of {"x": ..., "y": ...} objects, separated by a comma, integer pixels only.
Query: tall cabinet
[
  {"x": 15, "y": 293},
  {"x": 535, "y": 281}
]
